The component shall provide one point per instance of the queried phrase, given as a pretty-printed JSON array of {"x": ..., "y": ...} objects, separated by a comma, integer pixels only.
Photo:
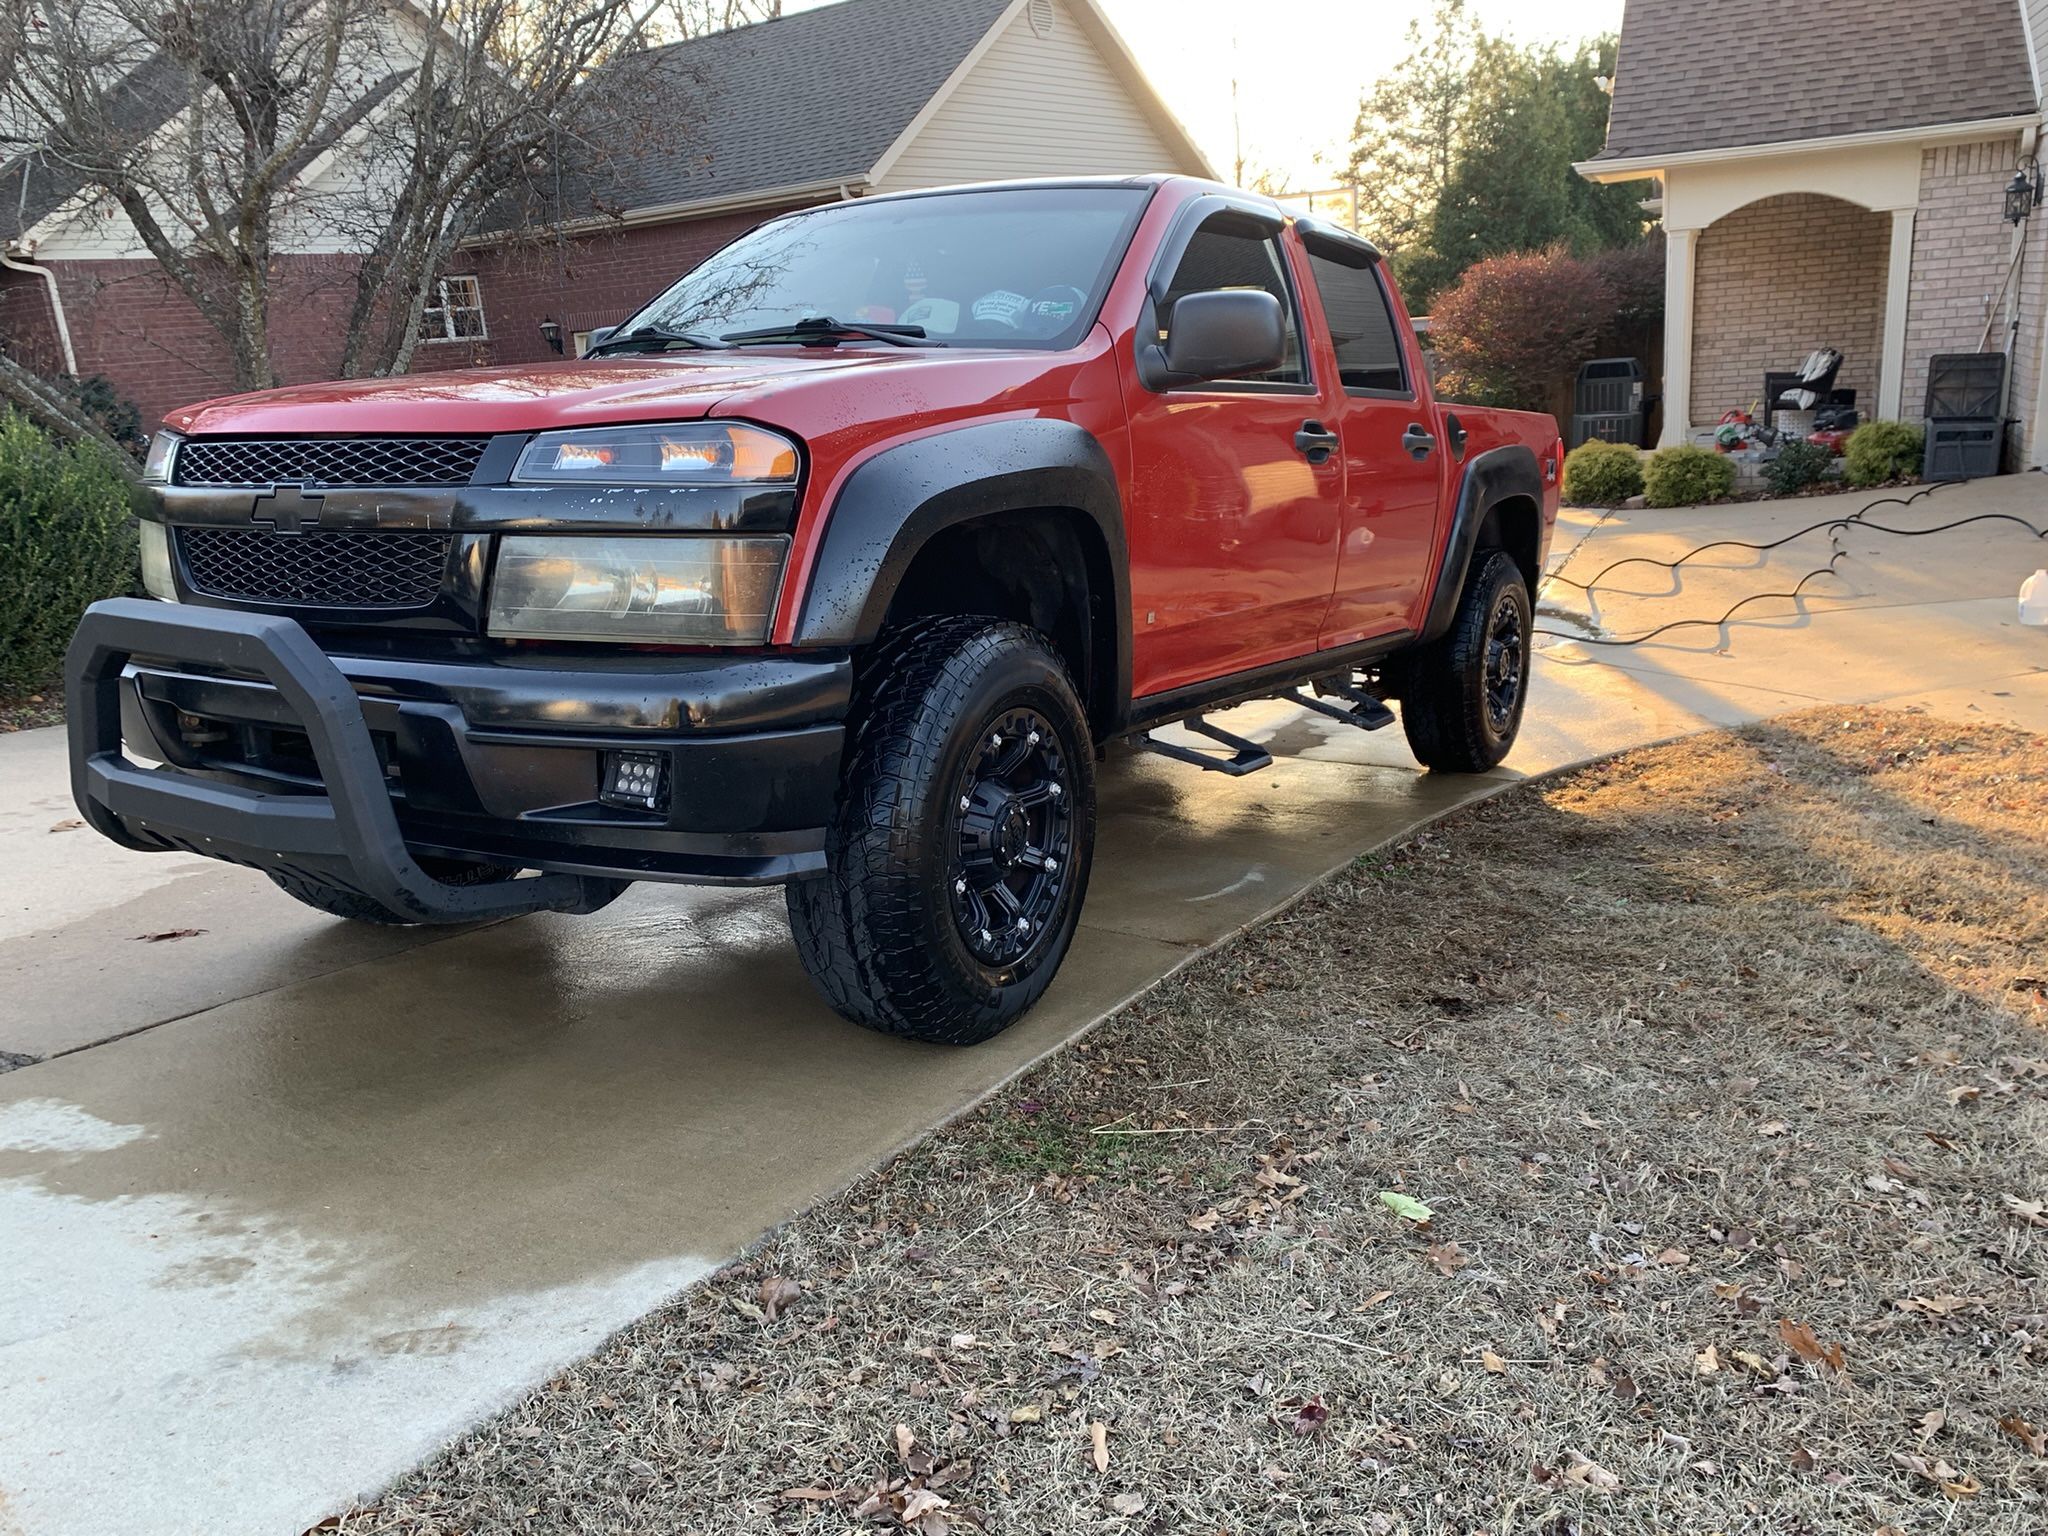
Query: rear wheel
[
  {"x": 959, "y": 853},
  {"x": 1462, "y": 696},
  {"x": 337, "y": 901}
]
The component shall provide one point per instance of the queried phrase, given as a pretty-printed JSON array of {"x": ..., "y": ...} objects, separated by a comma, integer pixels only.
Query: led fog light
[{"x": 635, "y": 779}]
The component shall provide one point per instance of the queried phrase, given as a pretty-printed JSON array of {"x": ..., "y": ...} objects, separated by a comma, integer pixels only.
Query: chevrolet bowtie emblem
[{"x": 287, "y": 509}]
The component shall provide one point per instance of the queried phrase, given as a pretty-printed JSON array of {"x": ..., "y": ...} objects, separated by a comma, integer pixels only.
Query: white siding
[
  {"x": 2035, "y": 14},
  {"x": 1034, "y": 106}
]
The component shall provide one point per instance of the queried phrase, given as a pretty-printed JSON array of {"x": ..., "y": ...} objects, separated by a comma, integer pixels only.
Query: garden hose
[{"x": 1854, "y": 519}]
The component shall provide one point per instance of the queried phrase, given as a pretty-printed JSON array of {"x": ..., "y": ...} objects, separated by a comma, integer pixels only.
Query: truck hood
[{"x": 528, "y": 397}]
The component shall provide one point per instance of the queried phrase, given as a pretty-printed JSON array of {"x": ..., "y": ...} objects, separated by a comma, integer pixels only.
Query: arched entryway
[{"x": 1778, "y": 278}]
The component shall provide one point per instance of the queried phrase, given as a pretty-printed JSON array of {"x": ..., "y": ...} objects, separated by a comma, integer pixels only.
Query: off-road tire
[
  {"x": 1452, "y": 723},
  {"x": 357, "y": 908},
  {"x": 879, "y": 932}
]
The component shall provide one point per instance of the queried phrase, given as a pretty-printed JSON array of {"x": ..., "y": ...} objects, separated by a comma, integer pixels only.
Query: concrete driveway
[{"x": 283, "y": 1205}]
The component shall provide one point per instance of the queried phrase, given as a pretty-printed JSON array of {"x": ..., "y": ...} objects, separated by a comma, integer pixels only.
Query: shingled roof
[
  {"x": 1693, "y": 77},
  {"x": 807, "y": 99},
  {"x": 39, "y": 181}
]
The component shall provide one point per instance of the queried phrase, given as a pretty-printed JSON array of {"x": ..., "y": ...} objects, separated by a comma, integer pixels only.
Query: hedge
[
  {"x": 67, "y": 539},
  {"x": 1684, "y": 475},
  {"x": 1601, "y": 474},
  {"x": 1879, "y": 451}
]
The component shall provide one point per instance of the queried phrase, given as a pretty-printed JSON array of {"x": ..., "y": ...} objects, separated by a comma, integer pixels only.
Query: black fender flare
[
  {"x": 895, "y": 502},
  {"x": 1490, "y": 479}
]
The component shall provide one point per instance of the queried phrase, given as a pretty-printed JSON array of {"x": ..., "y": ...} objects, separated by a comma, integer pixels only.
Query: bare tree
[
  {"x": 694, "y": 18},
  {"x": 226, "y": 132}
]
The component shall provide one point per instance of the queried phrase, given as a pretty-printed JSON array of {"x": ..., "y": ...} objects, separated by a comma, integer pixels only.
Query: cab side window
[
  {"x": 1361, "y": 325},
  {"x": 1218, "y": 257}
]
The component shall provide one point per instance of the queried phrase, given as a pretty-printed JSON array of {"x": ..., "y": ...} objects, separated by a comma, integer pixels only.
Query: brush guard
[{"x": 347, "y": 837}]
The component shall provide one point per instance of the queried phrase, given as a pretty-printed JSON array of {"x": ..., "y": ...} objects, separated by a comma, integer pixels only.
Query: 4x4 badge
[{"x": 287, "y": 508}]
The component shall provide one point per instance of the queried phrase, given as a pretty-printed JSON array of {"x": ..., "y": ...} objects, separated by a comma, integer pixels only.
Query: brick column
[
  {"x": 1891, "y": 377},
  {"x": 1678, "y": 288}
]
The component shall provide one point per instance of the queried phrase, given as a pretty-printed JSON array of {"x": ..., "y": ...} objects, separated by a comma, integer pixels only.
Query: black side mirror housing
[
  {"x": 1221, "y": 334},
  {"x": 600, "y": 333}
]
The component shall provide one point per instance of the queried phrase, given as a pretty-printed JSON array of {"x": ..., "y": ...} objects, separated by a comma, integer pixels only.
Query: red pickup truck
[{"x": 836, "y": 566}]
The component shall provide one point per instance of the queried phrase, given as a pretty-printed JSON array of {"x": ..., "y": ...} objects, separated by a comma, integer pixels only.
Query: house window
[{"x": 454, "y": 312}]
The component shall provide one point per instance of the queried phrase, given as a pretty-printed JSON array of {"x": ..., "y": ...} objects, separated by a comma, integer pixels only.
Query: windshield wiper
[
  {"x": 651, "y": 336},
  {"x": 821, "y": 329}
]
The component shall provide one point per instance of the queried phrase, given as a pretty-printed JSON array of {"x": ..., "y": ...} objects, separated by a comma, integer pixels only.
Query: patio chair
[{"x": 1811, "y": 383}]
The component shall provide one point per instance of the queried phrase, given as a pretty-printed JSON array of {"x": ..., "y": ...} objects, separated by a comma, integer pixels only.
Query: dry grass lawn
[{"x": 1720, "y": 1068}]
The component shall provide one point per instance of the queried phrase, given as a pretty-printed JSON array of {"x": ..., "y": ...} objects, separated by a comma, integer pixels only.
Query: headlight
[
  {"x": 647, "y": 589},
  {"x": 690, "y": 453},
  {"x": 156, "y": 562},
  {"x": 163, "y": 449}
]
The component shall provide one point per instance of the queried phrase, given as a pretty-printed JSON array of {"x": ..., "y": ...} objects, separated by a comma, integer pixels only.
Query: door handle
[
  {"x": 1316, "y": 441},
  {"x": 1418, "y": 442}
]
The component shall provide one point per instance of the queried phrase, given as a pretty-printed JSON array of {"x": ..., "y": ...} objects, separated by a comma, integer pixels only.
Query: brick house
[
  {"x": 847, "y": 99},
  {"x": 895, "y": 94},
  {"x": 1837, "y": 179}
]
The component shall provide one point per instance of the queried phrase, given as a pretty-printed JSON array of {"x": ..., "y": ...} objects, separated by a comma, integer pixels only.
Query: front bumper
[{"x": 349, "y": 768}]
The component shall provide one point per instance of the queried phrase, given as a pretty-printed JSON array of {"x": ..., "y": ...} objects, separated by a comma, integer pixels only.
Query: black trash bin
[
  {"x": 1609, "y": 401},
  {"x": 1965, "y": 397}
]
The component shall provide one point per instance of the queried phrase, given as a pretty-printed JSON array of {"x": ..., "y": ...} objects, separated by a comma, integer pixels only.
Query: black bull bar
[{"x": 348, "y": 836}]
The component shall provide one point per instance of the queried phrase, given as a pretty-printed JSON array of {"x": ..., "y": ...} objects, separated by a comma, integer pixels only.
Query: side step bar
[
  {"x": 1366, "y": 712},
  {"x": 1246, "y": 756}
]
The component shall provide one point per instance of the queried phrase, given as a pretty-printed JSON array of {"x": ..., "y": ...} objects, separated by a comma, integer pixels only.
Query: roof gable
[
  {"x": 804, "y": 100},
  {"x": 1744, "y": 72}
]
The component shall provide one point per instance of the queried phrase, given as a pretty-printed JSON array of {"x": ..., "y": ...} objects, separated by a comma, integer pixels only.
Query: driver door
[{"x": 1234, "y": 512}]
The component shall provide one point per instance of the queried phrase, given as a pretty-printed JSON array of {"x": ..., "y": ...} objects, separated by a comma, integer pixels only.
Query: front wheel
[
  {"x": 1462, "y": 696},
  {"x": 959, "y": 853}
]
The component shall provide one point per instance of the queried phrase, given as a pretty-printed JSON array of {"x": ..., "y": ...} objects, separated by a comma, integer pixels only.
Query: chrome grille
[
  {"x": 248, "y": 462},
  {"x": 324, "y": 569}
]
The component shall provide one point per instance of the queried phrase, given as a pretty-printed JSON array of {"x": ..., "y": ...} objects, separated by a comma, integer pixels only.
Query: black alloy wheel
[{"x": 1016, "y": 838}]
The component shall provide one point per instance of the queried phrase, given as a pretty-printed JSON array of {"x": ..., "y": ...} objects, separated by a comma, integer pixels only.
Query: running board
[
  {"x": 1246, "y": 756},
  {"x": 1366, "y": 712}
]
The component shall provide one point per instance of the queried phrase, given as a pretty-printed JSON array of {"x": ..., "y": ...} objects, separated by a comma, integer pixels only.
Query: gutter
[
  {"x": 1635, "y": 167},
  {"x": 664, "y": 213},
  {"x": 15, "y": 264}
]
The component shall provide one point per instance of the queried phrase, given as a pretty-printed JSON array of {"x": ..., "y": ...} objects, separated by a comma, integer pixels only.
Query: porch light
[
  {"x": 551, "y": 333},
  {"x": 2023, "y": 192}
]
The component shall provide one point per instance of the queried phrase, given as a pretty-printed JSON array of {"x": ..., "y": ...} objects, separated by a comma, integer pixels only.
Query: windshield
[{"x": 1025, "y": 267}]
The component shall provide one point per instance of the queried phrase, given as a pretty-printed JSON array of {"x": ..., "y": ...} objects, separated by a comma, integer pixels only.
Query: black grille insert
[
  {"x": 247, "y": 462},
  {"x": 334, "y": 569}
]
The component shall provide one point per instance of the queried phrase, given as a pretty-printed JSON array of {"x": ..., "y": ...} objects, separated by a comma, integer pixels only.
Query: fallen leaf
[
  {"x": 1128, "y": 1504},
  {"x": 1931, "y": 1424},
  {"x": 1312, "y": 1416},
  {"x": 1030, "y": 1413},
  {"x": 169, "y": 933},
  {"x": 1957, "y": 1485},
  {"x": 1706, "y": 1362},
  {"x": 1773, "y": 1128},
  {"x": 776, "y": 1295},
  {"x": 1493, "y": 1362},
  {"x": 1802, "y": 1341},
  {"x": 812, "y": 1495},
  {"x": 1098, "y": 1432},
  {"x": 1671, "y": 1258},
  {"x": 1752, "y": 1361},
  {"x": 1802, "y": 1458},
  {"x": 1938, "y": 1306},
  {"x": 1407, "y": 1207},
  {"x": 2035, "y": 1440},
  {"x": 1208, "y": 1221},
  {"x": 1372, "y": 1301},
  {"x": 919, "y": 1503},
  {"x": 71, "y": 825},
  {"x": 1588, "y": 1473},
  {"x": 1448, "y": 1258}
]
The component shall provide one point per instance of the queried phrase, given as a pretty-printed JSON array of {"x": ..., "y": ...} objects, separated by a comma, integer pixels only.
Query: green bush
[
  {"x": 1598, "y": 474},
  {"x": 66, "y": 540},
  {"x": 1883, "y": 450},
  {"x": 1684, "y": 475},
  {"x": 1798, "y": 465}
]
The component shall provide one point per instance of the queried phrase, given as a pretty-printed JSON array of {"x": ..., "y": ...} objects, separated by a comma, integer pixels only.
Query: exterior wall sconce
[
  {"x": 551, "y": 333},
  {"x": 2023, "y": 192}
]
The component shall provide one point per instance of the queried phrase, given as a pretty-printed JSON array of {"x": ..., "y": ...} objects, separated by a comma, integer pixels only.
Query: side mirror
[
  {"x": 599, "y": 333},
  {"x": 1223, "y": 333}
]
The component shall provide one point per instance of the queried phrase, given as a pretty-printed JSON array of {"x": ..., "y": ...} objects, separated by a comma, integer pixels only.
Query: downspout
[{"x": 14, "y": 264}]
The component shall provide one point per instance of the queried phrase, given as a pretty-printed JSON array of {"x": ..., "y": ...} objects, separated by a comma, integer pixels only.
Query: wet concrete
[{"x": 323, "y": 1197}]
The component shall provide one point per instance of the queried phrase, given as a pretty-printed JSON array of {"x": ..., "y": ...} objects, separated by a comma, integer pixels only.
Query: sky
[{"x": 1300, "y": 65}]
